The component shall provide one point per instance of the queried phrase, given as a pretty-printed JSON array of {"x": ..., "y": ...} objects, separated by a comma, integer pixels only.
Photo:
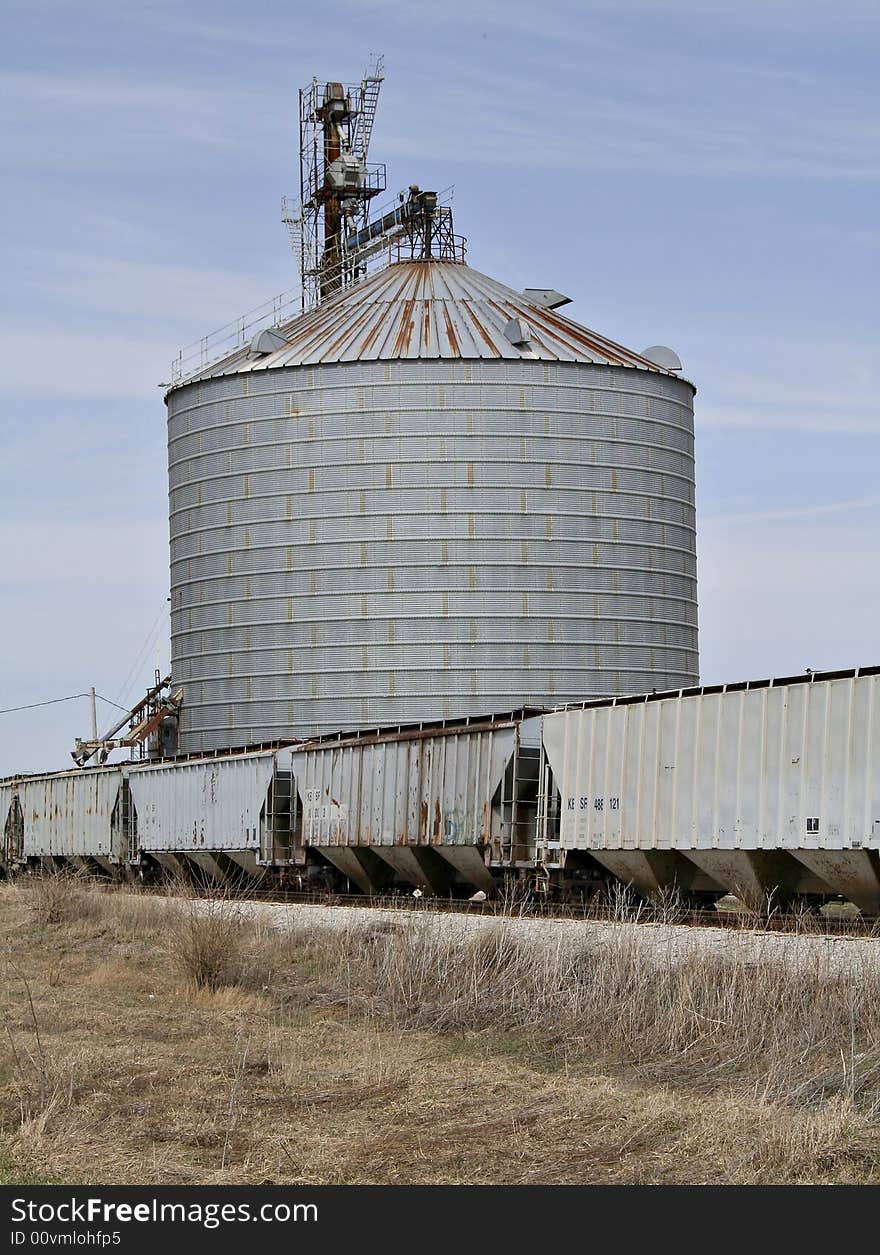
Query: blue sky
[{"x": 696, "y": 174}]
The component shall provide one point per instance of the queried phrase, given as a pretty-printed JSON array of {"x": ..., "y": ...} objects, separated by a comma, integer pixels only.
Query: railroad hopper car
[
  {"x": 768, "y": 789},
  {"x": 761, "y": 788}
]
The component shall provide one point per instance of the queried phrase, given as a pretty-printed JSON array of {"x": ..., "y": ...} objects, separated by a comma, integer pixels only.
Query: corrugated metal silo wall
[{"x": 373, "y": 543}]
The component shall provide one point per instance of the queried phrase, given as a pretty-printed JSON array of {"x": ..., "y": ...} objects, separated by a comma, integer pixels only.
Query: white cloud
[{"x": 662, "y": 110}]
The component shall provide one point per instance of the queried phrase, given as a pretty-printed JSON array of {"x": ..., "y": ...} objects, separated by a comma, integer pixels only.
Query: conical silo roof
[{"x": 430, "y": 310}]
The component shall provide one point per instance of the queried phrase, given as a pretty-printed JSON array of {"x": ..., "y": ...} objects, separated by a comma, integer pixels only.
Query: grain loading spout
[{"x": 148, "y": 734}]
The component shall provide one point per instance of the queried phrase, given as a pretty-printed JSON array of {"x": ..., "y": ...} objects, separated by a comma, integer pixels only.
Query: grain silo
[{"x": 427, "y": 497}]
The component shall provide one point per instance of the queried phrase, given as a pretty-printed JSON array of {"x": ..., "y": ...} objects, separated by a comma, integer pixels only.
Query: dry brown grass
[
  {"x": 789, "y": 1033},
  {"x": 402, "y": 1055},
  {"x": 60, "y": 897}
]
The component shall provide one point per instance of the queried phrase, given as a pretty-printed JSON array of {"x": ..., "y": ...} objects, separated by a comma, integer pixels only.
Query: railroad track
[
  {"x": 533, "y": 908},
  {"x": 803, "y": 923}
]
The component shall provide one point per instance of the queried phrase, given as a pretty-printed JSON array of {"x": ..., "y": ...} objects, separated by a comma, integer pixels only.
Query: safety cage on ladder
[
  {"x": 13, "y": 833},
  {"x": 124, "y": 827},
  {"x": 281, "y": 843}
]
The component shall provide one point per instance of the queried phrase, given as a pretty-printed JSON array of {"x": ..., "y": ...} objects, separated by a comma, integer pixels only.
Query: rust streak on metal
[
  {"x": 563, "y": 332},
  {"x": 594, "y": 342},
  {"x": 404, "y": 334},
  {"x": 351, "y": 330},
  {"x": 450, "y": 329},
  {"x": 372, "y": 336},
  {"x": 484, "y": 334}
]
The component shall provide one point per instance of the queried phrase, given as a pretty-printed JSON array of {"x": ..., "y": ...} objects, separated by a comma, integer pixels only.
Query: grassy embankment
[{"x": 147, "y": 1042}]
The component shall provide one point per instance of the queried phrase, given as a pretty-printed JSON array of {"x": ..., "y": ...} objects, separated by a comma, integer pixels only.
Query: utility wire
[
  {"x": 54, "y": 701},
  {"x": 109, "y": 703},
  {"x": 130, "y": 680}
]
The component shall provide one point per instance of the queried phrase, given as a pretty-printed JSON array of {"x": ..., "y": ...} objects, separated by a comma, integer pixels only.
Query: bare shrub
[{"x": 205, "y": 940}]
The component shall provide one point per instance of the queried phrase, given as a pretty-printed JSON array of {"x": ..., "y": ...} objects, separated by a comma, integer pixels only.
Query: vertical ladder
[
  {"x": 370, "y": 85},
  {"x": 291, "y": 216}
]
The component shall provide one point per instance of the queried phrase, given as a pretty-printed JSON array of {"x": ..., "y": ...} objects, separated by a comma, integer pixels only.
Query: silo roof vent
[
  {"x": 518, "y": 332},
  {"x": 548, "y": 298},
  {"x": 661, "y": 355},
  {"x": 267, "y": 341}
]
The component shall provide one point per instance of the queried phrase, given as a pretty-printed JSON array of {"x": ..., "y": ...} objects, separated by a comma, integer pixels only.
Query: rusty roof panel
[{"x": 425, "y": 310}]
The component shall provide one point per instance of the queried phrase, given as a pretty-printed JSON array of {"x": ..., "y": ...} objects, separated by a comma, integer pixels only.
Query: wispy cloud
[
  {"x": 653, "y": 104},
  {"x": 166, "y": 294},
  {"x": 654, "y": 132},
  {"x": 780, "y": 598},
  {"x": 808, "y": 383},
  {"x": 815, "y": 511},
  {"x": 795, "y": 418},
  {"x": 81, "y": 363},
  {"x": 655, "y": 107},
  {"x": 124, "y": 119},
  {"x": 126, "y": 320}
]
